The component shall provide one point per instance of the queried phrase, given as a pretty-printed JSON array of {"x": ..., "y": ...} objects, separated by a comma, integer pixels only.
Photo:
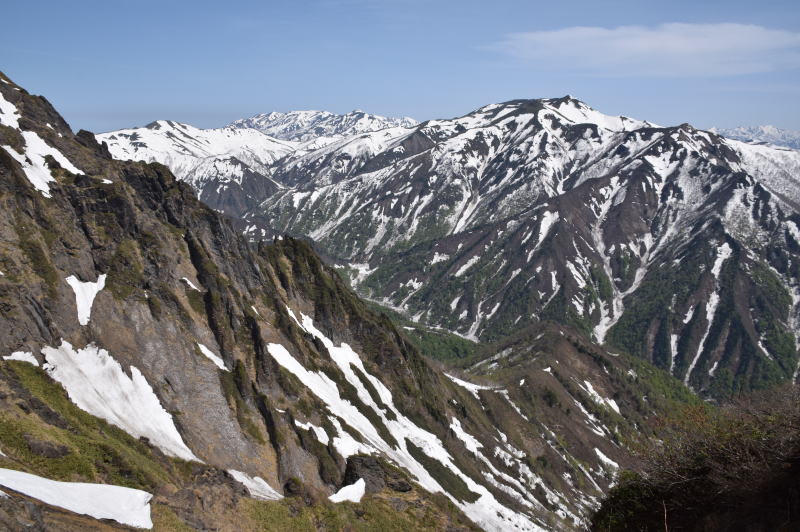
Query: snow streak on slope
[
  {"x": 85, "y": 292},
  {"x": 213, "y": 357},
  {"x": 97, "y": 384},
  {"x": 257, "y": 486},
  {"x": 102, "y": 501},
  {"x": 723, "y": 253},
  {"x": 485, "y": 511}
]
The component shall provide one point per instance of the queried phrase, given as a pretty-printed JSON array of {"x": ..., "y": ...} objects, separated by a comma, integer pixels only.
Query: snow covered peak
[
  {"x": 577, "y": 112},
  {"x": 305, "y": 126},
  {"x": 183, "y": 147},
  {"x": 762, "y": 134}
]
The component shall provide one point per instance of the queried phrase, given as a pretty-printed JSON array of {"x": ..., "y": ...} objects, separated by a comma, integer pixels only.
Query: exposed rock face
[{"x": 261, "y": 362}]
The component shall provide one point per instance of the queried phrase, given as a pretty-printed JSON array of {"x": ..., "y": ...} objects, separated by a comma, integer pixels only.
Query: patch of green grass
[
  {"x": 98, "y": 451},
  {"x": 165, "y": 520},
  {"x": 196, "y": 300},
  {"x": 373, "y": 514},
  {"x": 40, "y": 261},
  {"x": 125, "y": 271}
]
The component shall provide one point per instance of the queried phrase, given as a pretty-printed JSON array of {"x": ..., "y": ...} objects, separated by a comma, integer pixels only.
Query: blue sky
[{"x": 110, "y": 64}]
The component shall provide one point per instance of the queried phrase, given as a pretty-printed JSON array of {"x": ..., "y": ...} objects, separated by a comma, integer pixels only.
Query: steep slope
[
  {"x": 228, "y": 167},
  {"x": 317, "y": 128},
  {"x": 762, "y": 134},
  {"x": 145, "y": 344},
  {"x": 548, "y": 209}
]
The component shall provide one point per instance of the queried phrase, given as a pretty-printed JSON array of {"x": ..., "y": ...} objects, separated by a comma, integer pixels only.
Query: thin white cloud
[{"x": 668, "y": 50}]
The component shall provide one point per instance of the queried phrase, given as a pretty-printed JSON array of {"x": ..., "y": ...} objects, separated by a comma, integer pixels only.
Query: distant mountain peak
[
  {"x": 310, "y": 125},
  {"x": 768, "y": 134}
]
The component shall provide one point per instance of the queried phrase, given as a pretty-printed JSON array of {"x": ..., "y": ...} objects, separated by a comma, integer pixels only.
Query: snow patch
[
  {"x": 213, "y": 357},
  {"x": 606, "y": 460},
  {"x": 319, "y": 432},
  {"x": 471, "y": 388},
  {"x": 127, "y": 506},
  {"x": 467, "y": 265},
  {"x": 85, "y": 292},
  {"x": 33, "y": 161},
  {"x": 257, "y": 486},
  {"x": 351, "y": 493},
  {"x": 23, "y": 356},
  {"x": 191, "y": 284},
  {"x": 96, "y": 383}
]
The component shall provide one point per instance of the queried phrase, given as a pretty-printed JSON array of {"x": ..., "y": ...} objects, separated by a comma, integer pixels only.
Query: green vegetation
[
  {"x": 714, "y": 469},
  {"x": 125, "y": 270},
  {"x": 39, "y": 259},
  {"x": 195, "y": 300},
  {"x": 402, "y": 513},
  {"x": 87, "y": 448},
  {"x": 436, "y": 344}
]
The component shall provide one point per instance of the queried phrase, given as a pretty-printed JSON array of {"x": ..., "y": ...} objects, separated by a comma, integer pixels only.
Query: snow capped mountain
[
  {"x": 229, "y": 167},
  {"x": 549, "y": 209},
  {"x": 319, "y": 126},
  {"x": 183, "y": 148},
  {"x": 762, "y": 134},
  {"x": 144, "y": 341}
]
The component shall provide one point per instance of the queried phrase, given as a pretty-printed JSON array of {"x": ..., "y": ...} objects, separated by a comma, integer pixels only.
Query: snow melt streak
[{"x": 486, "y": 511}]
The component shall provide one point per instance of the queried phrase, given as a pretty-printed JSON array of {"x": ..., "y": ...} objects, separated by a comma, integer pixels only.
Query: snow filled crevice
[
  {"x": 85, "y": 292},
  {"x": 127, "y": 506},
  {"x": 213, "y": 357},
  {"x": 486, "y": 511},
  {"x": 96, "y": 383}
]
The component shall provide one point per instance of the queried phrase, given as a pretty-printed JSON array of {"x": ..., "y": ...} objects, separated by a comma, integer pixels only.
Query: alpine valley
[{"x": 310, "y": 321}]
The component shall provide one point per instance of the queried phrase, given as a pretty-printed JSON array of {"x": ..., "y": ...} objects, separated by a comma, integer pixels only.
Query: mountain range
[
  {"x": 159, "y": 370},
  {"x": 672, "y": 244},
  {"x": 314, "y": 321}
]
